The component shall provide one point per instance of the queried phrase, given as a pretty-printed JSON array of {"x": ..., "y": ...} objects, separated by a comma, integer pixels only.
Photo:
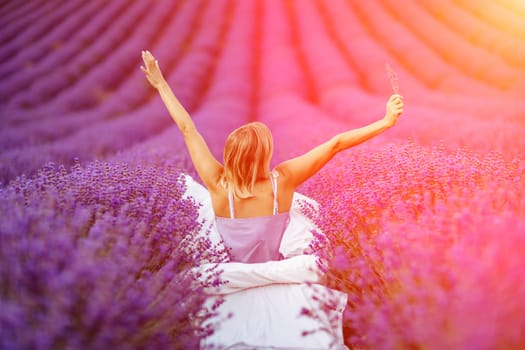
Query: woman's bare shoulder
[{"x": 284, "y": 181}]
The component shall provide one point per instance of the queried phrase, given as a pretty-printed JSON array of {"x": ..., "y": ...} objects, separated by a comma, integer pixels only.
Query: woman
[{"x": 252, "y": 203}]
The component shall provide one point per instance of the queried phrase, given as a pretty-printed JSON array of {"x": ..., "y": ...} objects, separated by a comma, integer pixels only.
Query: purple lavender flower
[{"x": 101, "y": 257}]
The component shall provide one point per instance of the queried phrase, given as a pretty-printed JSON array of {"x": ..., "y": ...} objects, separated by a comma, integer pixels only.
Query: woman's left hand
[
  {"x": 394, "y": 108},
  {"x": 152, "y": 70}
]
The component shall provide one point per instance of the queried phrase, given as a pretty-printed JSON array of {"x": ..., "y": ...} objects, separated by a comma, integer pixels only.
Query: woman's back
[
  {"x": 253, "y": 227},
  {"x": 261, "y": 204}
]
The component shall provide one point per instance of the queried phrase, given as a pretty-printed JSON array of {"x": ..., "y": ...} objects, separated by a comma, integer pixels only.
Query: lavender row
[
  {"x": 289, "y": 80},
  {"x": 112, "y": 135},
  {"x": 468, "y": 58},
  {"x": 504, "y": 15},
  {"x": 61, "y": 45},
  {"x": 224, "y": 106},
  {"x": 176, "y": 33},
  {"x": 398, "y": 39},
  {"x": 13, "y": 55},
  {"x": 369, "y": 57},
  {"x": 125, "y": 100},
  {"x": 97, "y": 140},
  {"x": 507, "y": 47},
  {"x": 88, "y": 53},
  {"x": 100, "y": 257},
  {"x": 427, "y": 245},
  {"x": 104, "y": 47},
  {"x": 281, "y": 72},
  {"x": 11, "y": 9},
  {"x": 292, "y": 117},
  {"x": 17, "y": 21},
  {"x": 316, "y": 46},
  {"x": 343, "y": 101},
  {"x": 493, "y": 128},
  {"x": 98, "y": 75},
  {"x": 21, "y": 16},
  {"x": 366, "y": 53}
]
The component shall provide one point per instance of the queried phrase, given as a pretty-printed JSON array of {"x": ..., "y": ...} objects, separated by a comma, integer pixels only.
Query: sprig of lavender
[{"x": 392, "y": 77}]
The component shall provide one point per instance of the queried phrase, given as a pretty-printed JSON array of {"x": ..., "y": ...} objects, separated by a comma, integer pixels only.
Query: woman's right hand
[
  {"x": 394, "y": 108},
  {"x": 152, "y": 70}
]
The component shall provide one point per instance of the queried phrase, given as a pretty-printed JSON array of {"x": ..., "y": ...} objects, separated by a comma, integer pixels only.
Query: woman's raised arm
[
  {"x": 299, "y": 169},
  {"x": 207, "y": 166}
]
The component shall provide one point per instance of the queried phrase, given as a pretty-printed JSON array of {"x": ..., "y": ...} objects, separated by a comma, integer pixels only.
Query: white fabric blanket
[{"x": 271, "y": 305}]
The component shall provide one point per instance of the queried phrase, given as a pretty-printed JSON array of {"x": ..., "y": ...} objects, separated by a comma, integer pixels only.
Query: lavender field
[{"x": 426, "y": 221}]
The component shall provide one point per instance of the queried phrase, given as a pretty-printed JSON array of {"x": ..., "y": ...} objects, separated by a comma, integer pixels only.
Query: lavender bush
[
  {"x": 427, "y": 246},
  {"x": 100, "y": 258}
]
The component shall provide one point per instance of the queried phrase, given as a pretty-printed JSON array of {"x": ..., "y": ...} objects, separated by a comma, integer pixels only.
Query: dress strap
[
  {"x": 273, "y": 180},
  {"x": 230, "y": 201}
]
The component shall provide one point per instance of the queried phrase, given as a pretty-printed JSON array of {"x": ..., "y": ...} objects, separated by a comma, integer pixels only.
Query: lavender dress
[
  {"x": 261, "y": 303},
  {"x": 256, "y": 239}
]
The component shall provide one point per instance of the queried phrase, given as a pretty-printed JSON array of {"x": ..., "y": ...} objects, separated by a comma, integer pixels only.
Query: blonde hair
[{"x": 247, "y": 155}]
